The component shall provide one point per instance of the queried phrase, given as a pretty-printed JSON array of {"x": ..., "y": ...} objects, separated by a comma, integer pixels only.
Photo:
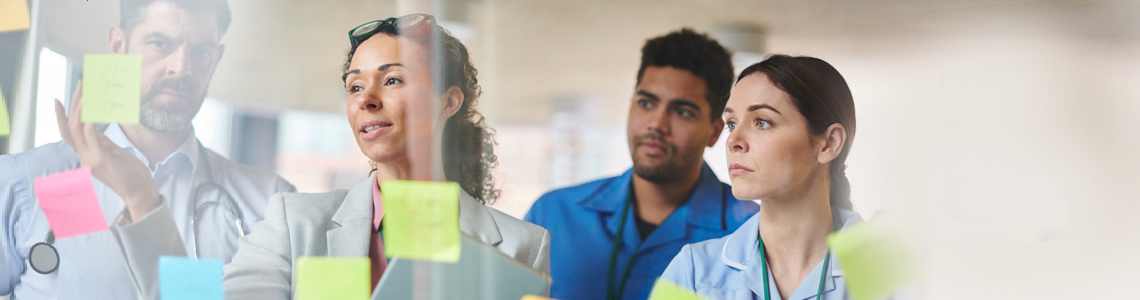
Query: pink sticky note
[{"x": 69, "y": 202}]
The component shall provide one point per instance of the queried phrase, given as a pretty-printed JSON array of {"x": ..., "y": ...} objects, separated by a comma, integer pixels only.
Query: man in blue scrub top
[{"x": 668, "y": 199}]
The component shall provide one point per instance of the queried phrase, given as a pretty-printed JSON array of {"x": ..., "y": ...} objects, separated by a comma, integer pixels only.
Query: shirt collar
[
  {"x": 377, "y": 204},
  {"x": 741, "y": 248},
  {"x": 188, "y": 150},
  {"x": 706, "y": 201}
]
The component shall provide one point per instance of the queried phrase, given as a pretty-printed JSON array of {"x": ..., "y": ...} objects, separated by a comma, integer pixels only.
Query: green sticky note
[
  {"x": 421, "y": 220},
  {"x": 665, "y": 290},
  {"x": 333, "y": 278},
  {"x": 876, "y": 258},
  {"x": 5, "y": 125},
  {"x": 112, "y": 88}
]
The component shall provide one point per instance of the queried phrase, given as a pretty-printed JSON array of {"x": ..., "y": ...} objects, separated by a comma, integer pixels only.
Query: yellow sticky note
[
  {"x": 112, "y": 88},
  {"x": 333, "y": 278},
  {"x": 5, "y": 125},
  {"x": 421, "y": 220},
  {"x": 876, "y": 258},
  {"x": 14, "y": 15},
  {"x": 665, "y": 290}
]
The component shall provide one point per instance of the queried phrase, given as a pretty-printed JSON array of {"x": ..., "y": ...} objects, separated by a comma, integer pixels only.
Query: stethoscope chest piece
[{"x": 43, "y": 258}]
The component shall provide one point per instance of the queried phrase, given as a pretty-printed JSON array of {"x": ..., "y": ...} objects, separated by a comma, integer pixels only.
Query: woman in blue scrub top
[{"x": 791, "y": 122}]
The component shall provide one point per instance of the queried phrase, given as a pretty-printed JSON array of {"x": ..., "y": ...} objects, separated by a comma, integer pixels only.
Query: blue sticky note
[{"x": 185, "y": 278}]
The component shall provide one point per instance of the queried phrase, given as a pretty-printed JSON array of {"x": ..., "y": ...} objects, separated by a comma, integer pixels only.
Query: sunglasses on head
[{"x": 408, "y": 25}]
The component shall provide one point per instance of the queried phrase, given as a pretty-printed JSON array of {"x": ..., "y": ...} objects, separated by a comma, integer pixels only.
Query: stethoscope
[
  {"x": 614, "y": 294},
  {"x": 44, "y": 258}
]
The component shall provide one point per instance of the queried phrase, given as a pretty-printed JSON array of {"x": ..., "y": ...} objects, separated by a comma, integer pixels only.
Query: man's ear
[
  {"x": 117, "y": 39},
  {"x": 833, "y": 140},
  {"x": 453, "y": 100},
  {"x": 718, "y": 128}
]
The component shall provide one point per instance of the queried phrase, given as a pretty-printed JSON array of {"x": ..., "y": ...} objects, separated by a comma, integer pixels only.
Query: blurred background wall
[{"x": 1005, "y": 129}]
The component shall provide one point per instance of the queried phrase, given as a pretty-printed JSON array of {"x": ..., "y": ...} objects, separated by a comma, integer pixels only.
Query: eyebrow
[
  {"x": 381, "y": 68},
  {"x": 754, "y": 107}
]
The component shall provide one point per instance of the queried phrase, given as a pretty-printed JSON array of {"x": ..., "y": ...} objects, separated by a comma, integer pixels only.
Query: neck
[
  {"x": 156, "y": 146},
  {"x": 795, "y": 228},
  {"x": 656, "y": 200},
  {"x": 399, "y": 170}
]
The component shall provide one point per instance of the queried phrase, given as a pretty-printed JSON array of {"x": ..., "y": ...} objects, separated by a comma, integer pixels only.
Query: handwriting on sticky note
[
  {"x": 69, "y": 203},
  {"x": 877, "y": 258},
  {"x": 665, "y": 290},
  {"x": 421, "y": 220},
  {"x": 14, "y": 15},
  {"x": 112, "y": 88},
  {"x": 182, "y": 278},
  {"x": 333, "y": 278},
  {"x": 5, "y": 125}
]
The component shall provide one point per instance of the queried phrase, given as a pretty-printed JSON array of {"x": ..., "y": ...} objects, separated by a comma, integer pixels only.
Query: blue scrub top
[
  {"x": 729, "y": 268},
  {"x": 583, "y": 221}
]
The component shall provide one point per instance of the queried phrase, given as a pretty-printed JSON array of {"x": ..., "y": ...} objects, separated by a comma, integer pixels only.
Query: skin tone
[
  {"x": 772, "y": 156},
  {"x": 180, "y": 51},
  {"x": 385, "y": 75},
  {"x": 668, "y": 105}
]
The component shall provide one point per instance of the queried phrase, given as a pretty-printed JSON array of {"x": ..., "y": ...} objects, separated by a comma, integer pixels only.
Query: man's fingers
[
  {"x": 61, "y": 120},
  {"x": 75, "y": 126}
]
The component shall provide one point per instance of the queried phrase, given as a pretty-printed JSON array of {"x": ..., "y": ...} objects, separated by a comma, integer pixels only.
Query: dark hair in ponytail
[{"x": 822, "y": 96}]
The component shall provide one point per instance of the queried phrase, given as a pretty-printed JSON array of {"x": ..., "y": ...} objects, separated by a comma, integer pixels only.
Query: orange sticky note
[
  {"x": 69, "y": 203},
  {"x": 14, "y": 15}
]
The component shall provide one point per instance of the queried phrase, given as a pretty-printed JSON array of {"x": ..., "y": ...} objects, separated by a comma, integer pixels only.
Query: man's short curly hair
[
  {"x": 688, "y": 50},
  {"x": 468, "y": 143}
]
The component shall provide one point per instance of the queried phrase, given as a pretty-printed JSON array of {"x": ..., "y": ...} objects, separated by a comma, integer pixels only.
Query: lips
[
  {"x": 372, "y": 129},
  {"x": 652, "y": 148},
  {"x": 738, "y": 169}
]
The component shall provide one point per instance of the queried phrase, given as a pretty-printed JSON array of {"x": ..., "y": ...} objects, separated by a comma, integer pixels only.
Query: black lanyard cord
[{"x": 610, "y": 292}]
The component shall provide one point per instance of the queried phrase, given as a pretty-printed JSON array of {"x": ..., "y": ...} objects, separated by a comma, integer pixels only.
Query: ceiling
[{"x": 287, "y": 54}]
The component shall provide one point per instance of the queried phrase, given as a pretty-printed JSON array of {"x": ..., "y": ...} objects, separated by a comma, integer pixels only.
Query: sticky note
[
  {"x": 69, "y": 203},
  {"x": 183, "y": 278},
  {"x": 14, "y": 15},
  {"x": 876, "y": 258},
  {"x": 333, "y": 278},
  {"x": 112, "y": 88},
  {"x": 421, "y": 220},
  {"x": 665, "y": 290},
  {"x": 5, "y": 125}
]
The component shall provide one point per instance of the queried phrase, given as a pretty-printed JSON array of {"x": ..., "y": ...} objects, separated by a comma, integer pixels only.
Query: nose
[
  {"x": 369, "y": 100},
  {"x": 659, "y": 122},
  {"x": 177, "y": 63},
  {"x": 736, "y": 143}
]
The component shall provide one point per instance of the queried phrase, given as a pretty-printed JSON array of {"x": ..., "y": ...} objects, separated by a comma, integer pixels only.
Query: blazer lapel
[
  {"x": 350, "y": 230},
  {"x": 475, "y": 221}
]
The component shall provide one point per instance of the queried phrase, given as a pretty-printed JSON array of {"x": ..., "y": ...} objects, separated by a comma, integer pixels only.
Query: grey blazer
[{"x": 338, "y": 223}]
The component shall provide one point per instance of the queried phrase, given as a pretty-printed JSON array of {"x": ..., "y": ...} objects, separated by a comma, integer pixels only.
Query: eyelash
[
  {"x": 354, "y": 88},
  {"x": 756, "y": 122}
]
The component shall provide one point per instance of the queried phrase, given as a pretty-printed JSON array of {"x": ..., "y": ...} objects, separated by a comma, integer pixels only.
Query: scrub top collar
[
  {"x": 705, "y": 207},
  {"x": 187, "y": 151},
  {"x": 741, "y": 251}
]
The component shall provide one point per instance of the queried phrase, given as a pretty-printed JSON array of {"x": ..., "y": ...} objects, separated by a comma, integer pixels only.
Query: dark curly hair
[
  {"x": 468, "y": 144},
  {"x": 688, "y": 50},
  {"x": 821, "y": 95}
]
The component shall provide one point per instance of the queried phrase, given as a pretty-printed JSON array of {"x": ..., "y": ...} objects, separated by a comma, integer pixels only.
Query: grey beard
[{"x": 165, "y": 119}]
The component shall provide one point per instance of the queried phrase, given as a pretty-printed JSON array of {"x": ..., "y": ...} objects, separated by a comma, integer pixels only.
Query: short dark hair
[
  {"x": 822, "y": 96},
  {"x": 695, "y": 52},
  {"x": 133, "y": 12}
]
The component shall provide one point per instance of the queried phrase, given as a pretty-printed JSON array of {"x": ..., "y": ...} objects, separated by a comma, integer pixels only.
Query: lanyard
[
  {"x": 611, "y": 293},
  {"x": 822, "y": 272}
]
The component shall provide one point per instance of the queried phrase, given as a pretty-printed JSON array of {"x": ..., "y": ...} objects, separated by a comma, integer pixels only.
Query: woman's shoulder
[{"x": 511, "y": 227}]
